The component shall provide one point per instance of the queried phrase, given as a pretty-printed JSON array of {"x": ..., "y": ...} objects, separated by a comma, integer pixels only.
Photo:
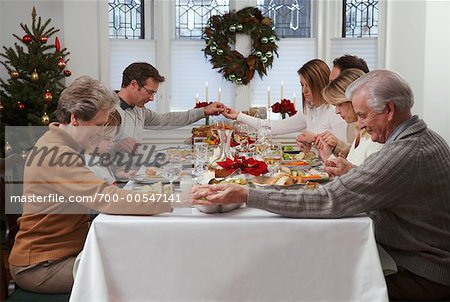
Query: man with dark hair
[
  {"x": 140, "y": 83},
  {"x": 346, "y": 62}
]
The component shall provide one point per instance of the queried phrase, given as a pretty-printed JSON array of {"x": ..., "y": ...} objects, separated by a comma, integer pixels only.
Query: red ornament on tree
[
  {"x": 57, "y": 45},
  {"x": 61, "y": 63},
  {"x": 48, "y": 97},
  {"x": 67, "y": 73},
  {"x": 44, "y": 39},
  {"x": 26, "y": 39},
  {"x": 21, "y": 105}
]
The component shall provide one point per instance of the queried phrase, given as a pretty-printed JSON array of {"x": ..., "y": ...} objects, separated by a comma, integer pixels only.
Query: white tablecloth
[{"x": 243, "y": 255}]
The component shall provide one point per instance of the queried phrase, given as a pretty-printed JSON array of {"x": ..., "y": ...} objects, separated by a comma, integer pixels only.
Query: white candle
[
  {"x": 219, "y": 94},
  {"x": 282, "y": 90},
  {"x": 268, "y": 97},
  {"x": 294, "y": 101},
  {"x": 196, "y": 98},
  {"x": 206, "y": 91}
]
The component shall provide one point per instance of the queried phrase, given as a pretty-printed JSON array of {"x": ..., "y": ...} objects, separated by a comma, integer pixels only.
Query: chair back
[{"x": 11, "y": 184}]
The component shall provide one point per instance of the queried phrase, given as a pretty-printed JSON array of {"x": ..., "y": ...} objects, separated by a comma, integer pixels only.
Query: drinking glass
[
  {"x": 264, "y": 131},
  {"x": 200, "y": 155},
  {"x": 241, "y": 135},
  {"x": 272, "y": 158},
  {"x": 172, "y": 170}
]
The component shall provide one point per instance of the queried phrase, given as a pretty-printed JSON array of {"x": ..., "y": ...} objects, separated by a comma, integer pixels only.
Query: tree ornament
[
  {"x": 220, "y": 35},
  {"x": 67, "y": 73},
  {"x": 45, "y": 119},
  {"x": 269, "y": 54},
  {"x": 21, "y": 105},
  {"x": 1, "y": 106},
  {"x": 43, "y": 39},
  {"x": 264, "y": 40},
  {"x": 57, "y": 45},
  {"x": 272, "y": 39},
  {"x": 48, "y": 96},
  {"x": 14, "y": 74},
  {"x": 61, "y": 63},
  {"x": 35, "y": 75},
  {"x": 8, "y": 147},
  {"x": 26, "y": 39},
  {"x": 239, "y": 81},
  {"x": 264, "y": 60}
]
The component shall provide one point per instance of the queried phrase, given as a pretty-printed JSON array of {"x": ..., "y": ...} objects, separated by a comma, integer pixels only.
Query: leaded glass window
[
  {"x": 360, "y": 18},
  {"x": 126, "y": 19},
  {"x": 192, "y": 15},
  {"x": 291, "y": 18}
]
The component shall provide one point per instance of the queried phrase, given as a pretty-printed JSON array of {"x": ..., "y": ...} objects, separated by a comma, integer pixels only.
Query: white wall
[
  {"x": 417, "y": 46},
  {"x": 436, "y": 109}
]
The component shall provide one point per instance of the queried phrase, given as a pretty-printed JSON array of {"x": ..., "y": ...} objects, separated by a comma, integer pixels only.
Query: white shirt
[
  {"x": 366, "y": 147},
  {"x": 316, "y": 120}
]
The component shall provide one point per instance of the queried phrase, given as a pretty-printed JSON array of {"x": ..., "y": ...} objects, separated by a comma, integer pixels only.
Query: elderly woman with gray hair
[{"x": 49, "y": 240}]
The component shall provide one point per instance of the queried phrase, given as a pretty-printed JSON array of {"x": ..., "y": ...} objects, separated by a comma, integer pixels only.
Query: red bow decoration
[
  {"x": 286, "y": 106},
  {"x": 247, "y": 166}
]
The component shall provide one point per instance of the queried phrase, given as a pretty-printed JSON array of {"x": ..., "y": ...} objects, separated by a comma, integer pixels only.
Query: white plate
[{"x": 142, "y": 179}]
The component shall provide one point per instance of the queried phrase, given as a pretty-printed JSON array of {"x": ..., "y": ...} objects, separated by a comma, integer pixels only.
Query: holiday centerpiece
[
  {"x": 284, "y": 107},
  {"x": 221, "y": 32}
]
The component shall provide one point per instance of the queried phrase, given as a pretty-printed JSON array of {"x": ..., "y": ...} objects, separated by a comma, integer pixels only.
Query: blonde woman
[
  {"x": 328, "y": 144},
  {"x": 316, "y": 117}
]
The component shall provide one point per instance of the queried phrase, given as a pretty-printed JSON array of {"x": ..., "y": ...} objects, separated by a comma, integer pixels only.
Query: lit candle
[
  {"x": 282, "y": 90},
  {"x": 196, "y": 98},
  {"x": 268, "y": 97},
  {"x": 206, "y": 91},
  {"x": 219, "y": 94}
]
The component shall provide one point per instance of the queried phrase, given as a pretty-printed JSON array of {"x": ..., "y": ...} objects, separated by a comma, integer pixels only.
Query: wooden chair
[{"x": 11, "y": 184}]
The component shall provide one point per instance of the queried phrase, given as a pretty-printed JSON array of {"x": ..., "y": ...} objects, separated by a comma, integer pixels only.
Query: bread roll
[{"x": 282, "y": 179}]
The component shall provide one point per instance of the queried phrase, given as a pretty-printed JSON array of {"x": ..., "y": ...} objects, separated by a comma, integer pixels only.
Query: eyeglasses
[{"x": 151, "y": 92}]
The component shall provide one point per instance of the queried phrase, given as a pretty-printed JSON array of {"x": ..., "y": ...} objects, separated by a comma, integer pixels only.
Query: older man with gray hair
[{"x": 404, "y": 188}]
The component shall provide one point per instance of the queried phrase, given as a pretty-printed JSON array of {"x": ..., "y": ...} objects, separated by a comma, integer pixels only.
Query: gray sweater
[{"x": 405, "y": 189}]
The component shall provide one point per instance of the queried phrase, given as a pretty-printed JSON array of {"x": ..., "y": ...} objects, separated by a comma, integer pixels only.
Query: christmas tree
[{"x": 37, "y": 70}]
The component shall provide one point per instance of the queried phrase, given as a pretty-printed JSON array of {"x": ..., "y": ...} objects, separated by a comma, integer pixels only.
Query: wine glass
[
  {"x": 264, "y": 130},
  {"x": 172, "y": 170},
  {"x": 241, "y": 135},
  {"x": 272, "y": 157}
]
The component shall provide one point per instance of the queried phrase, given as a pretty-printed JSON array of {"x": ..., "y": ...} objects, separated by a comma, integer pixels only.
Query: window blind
[
  {"x": 190, "y": 71},
  {"x": 293, "y": 53},
  {"x": 365, "y": 48},
  {"x": 123, "y": 52}
]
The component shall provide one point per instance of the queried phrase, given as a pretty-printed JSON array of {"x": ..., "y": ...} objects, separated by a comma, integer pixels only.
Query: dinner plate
[{"x": 142, "y": 179}]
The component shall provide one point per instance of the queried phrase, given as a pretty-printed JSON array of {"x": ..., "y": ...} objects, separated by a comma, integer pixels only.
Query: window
[
  {"x": 307, "y": 29},
  {"x": 192, "y": 16},
  {"x": 360, "y": 18},
  {"x": 126, "y": 19},
  {"x": 291, "y": 18}
]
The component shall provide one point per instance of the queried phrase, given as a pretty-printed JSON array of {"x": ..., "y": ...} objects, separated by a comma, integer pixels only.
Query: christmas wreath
[{"x": 221, "y": 32}]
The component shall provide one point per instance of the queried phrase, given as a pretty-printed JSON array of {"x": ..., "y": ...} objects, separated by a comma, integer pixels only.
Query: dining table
[{"x": 243, "y": 255}]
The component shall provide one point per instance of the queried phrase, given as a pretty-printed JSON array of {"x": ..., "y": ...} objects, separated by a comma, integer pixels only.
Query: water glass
[{"x": 200, "y": 155}]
